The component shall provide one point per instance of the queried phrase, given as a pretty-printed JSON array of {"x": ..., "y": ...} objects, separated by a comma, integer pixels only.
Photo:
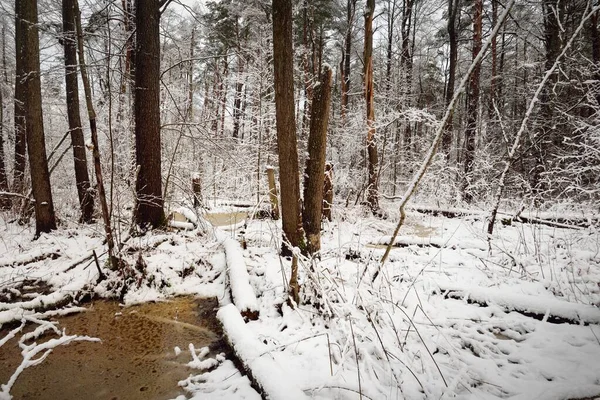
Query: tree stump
[{"x": 273, "y": 193}]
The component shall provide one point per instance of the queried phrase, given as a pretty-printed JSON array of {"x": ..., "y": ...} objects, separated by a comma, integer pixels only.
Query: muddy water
[
  {"x": 226, "y": 219},
  {"x": 135, "y": 360}
]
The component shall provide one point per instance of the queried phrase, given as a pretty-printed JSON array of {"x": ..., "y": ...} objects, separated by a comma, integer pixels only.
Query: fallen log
[
  {"x": 566, "y": 222},
  {"x": 265, "y": 374},
  {"x": 534, "y": 306},
  {"x": 32, "y": 257}
]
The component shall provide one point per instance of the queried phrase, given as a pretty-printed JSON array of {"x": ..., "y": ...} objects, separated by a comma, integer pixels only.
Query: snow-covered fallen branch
[
  {"x": 31, "y": 351},
  {"x": 547, "y": 309},
  {"x": 31, "y": 257},
  {"x": 239, "y": 281},
  {"x": 260, "y": 367}
]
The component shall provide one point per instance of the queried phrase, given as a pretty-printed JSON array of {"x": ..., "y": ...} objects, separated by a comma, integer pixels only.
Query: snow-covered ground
[{"x": 451, "y": 315}]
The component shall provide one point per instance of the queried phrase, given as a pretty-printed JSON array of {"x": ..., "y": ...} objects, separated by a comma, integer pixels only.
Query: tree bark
[
  {"x": 315, "y": 164},
  {"x": 82, "y": 179},
  {"x": 273, "y": 193},
  {"x": 406, "y": 62},
  {"x": 372, "y": 159},
  {"x": 350, "y": 9},
  {"x": 453, "y": 7},
  {"x": 4, "y": 200},
  {"x": 328, "y": 191},
  {"x": 289, "y": 181},
  {"x": 94, "y": 133},
  {"x": 45, "y": 219},
  {"x": 472, "y": 102},
  {"x": 149, "y": 211},
  {"x": 20, "y": 162}
]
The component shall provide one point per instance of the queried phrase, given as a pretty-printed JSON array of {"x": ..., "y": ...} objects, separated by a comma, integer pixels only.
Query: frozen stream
[{"x": 135, "y": 360}]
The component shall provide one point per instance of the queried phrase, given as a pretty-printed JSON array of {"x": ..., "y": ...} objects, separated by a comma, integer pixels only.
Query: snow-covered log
[
  {"x": 242, "y": 293},
  {"x": 539, "y": 307},
  {"x": 261, "y": 368}
]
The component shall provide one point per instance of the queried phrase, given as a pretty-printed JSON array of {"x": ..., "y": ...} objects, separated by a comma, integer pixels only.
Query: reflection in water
[{"x": 135, "y": 360}]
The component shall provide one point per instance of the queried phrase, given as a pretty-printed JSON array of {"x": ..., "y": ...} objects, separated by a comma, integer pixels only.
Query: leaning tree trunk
[
  {"x": 95, "y": 149},
  {"x": 472, "y": 104},
  {"x": 315, "y": 163},
  {"x": 45, "y": 219},
  {"x": 149, "y": 211},
  {"x": 82, "y": 179},
  {"x": 289, "y": 181},
  {"x": 372, "y": 157}
]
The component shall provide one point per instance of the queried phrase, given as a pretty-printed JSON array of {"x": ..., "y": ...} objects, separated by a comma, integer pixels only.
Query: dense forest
[
  {"x": 133, "y": 119},
  {"x": 530, "y": 104}
]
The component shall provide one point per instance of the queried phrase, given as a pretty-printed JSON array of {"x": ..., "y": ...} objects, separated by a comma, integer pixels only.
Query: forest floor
[{"x": 451, "y": 315}]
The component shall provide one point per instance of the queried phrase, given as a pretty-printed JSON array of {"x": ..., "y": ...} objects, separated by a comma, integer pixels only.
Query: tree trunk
[
  {"x": 472, "y": 102},
  {"x": 494, "y": 63},
  {"x": 237, "y": 100},
  {"x": 94, "y": 133},
  {"x": 372, "y": 161},
  {"x": 4, "y": 200},
  {"x": 45, "y": 220},
  {"x": 197, "y": 190},
  {"x": 273, "y": 193},
  {"x": 19, "y": 109},
  {"x": 315, "y": 164},
  {"x": 350, "y": 8},
  {"x": 289, "y": 181},
  {"x": 328, "y": 191},
  {"x": 82, "y": 179},
  {"x": 595, "y": 39},
  {"x": 453, "y": 7},
  {"x": 406, "y": 62},
  {"x": 149, "y": 211}
]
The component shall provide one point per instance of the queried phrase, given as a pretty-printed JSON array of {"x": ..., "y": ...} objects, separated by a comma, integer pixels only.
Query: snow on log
[
  {"x": 261, "y": 368},
  {"x": 239, "y": 281},
  {"x": 566, "y": 221},
  {"x": 438, "y": 243},
  {"x": 31, "y": 257},
  {"x": 540, "y": 307}
]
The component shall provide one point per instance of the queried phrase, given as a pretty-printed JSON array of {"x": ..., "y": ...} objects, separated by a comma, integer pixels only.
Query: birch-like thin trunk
[{"x": 94, "y": 133}]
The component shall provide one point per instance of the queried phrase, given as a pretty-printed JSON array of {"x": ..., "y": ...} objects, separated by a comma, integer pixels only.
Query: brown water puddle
[
  {"x": 226, "y": 219},
  {"x": 135, "y": 360}
]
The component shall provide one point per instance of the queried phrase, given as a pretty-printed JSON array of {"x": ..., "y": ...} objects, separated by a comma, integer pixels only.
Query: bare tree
[
  {"x": 472, "y": 103},
  {"x": 289, "y": 181},
  {"x": 45, "y": 220},
  {"x": 94, "y": 133},
  {"x": 315, "y": 163},
  {"x": 372, "y": 157},
  {"x": 453, "y": 11},
  {"x": 346, "y": 50},
  {"x": 82, "y": 179},
  {"x": 4, "y": 200},
  {"x": 20, "y": 159},
  {"x": 149, "y": 210}
]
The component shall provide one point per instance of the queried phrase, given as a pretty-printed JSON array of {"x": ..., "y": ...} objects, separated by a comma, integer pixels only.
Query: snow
[
  {"x": 421, "y": 331},
  {"x": 239, "y": 280},
  {"x": 278, "y": 384}
]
